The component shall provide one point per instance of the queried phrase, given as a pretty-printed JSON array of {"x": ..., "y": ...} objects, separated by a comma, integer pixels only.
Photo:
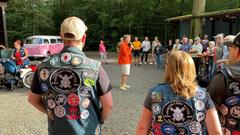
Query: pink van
[{"x": 42, "y": 46}]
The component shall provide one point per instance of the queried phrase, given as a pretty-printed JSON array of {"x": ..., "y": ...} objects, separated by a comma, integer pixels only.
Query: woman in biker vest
[{"x": 179, "y": 106}]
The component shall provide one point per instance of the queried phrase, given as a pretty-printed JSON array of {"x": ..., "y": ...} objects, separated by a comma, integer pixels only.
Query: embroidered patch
[
  {"x": 168, "y": 129},
  {"x": 90, "y": 74},
  {"x": 59, "y": 111},
  {"x": 182, "y": 131},
  {"x": 44, "y": 87},
  {"x": 65, "y": 81},
  {"x": 224, "y": 109},
  {"x": 85, "y": 91},
  {"x": 231, "y": 123},
  {"x": 73, "y": 113},
  {"x": 89, "y": 82},
  {"x": 73, "y": 100},
  {"x": 44, "y": 74},
  {"x": 85, "y": 114},
  {"x": 233, "y": 100},
  {"x": 50, "y": 114},
  {"x": 156, "y": 97},
  {"x": 66, "y": 57},
  {"x": 51, "y": 103},
  {"x": 54, "y": 60},
  {"x": 200, "y": 116},
  {"x": 200, "y": 94},
  {"x": 235, "y": 111},
  {"x": 76, "y": 61},
  {"x": 234, "y": 86},
  {"x": 195, "y": 127},
  {"x": 199, "y": 105},
  {"x": 156, "y": 129},
  {"x": 177, "y": 113},
  {"x": 61, "y": 99},
  {"x": 156, "y": 108},
  {"x": 222, "y": 120},
  {"x": 159, "y": 118},
  {"x": 85, "y": 103}
]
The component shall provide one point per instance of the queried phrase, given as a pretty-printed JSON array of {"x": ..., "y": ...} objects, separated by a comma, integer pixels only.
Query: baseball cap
[
  {"x": 232, "y": 40},
  {"x": 218, "y": 36},
  {"x": 73, "y": 28}
]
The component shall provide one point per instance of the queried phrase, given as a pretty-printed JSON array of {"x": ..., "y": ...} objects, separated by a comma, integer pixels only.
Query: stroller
[{"x": 12, "y": 76}]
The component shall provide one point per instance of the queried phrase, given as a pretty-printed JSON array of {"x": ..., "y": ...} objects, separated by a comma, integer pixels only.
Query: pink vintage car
[{"x": 42, "y": 46}]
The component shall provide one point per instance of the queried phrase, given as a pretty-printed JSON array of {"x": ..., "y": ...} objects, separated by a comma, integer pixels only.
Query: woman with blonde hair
[{"x": 179, "y": 106}]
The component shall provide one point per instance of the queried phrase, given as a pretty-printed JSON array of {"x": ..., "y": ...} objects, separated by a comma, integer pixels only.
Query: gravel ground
[{"x": 17, "y": 117}]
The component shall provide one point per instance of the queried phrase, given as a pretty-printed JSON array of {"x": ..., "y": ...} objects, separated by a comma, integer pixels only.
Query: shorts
[
  {"x": 102, "y": 56},
  {"x": 125, "y": 69},
  {"x": 136, "y": 53}
]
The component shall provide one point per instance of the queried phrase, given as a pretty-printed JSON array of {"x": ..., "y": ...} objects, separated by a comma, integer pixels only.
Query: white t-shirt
[{"x": 146, "y": 45}]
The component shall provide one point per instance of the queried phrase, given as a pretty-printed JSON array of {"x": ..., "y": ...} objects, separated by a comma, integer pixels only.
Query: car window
[
  {"x": 46, "y": 41},
  {"x": 53, "y": 41},
  {"x": 33, "y": 41},
  {"x": 59, "y": 41}
]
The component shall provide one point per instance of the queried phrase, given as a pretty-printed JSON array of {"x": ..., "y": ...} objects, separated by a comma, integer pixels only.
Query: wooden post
[{"x": 196, "y": 22}]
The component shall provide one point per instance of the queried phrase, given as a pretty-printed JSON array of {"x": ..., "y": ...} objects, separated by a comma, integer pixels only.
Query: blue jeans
[
  {"x": 211, "y": 69},
  {"x": 159, "y": 60}
]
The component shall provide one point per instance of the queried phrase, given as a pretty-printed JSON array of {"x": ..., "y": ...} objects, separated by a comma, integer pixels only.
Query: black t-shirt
[{"x": 103, "y": 83}]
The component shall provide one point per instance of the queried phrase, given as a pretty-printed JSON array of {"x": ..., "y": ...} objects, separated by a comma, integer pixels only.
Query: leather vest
[
  {"x": 229, "y": 113},
  {"x": 68, "y": 83},
  {"x": 174, "y": 115}
]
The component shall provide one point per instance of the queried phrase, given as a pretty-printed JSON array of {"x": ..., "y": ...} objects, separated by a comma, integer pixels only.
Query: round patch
[
  {"x": 59, "y": 111},
  {"x": 76, "y": 61},
  {"x": 200, "y": 94},
  {"x": 200, "y": 116},
  {"x": 85, "y": 91},
  {"x": 156, "y": 97},
  {"x": 199, "y": 105},
  {"x": 224, "y": 109},
  {"x": 44, "y": 87},
  {"x": 50, "y": 94},
  {"x": 44, "y": 74},
  {"x": 50, "y": 114},
  {"x": 65, "y": 80},
  {"x": 61, "y": 99},
  {"x": 90, "y": 74},
  {"x": 89, "y": 82},
  {"x": 232, "y": 123},
  {"x": 195, "y": 127},
  {"x": 182, "y": 131},
  {"x": 156, "y": 108},
  {"x": 156, "y": 129},
  {"x": 234, "y": 86},
  {"x": 85, "y": 114},
  {"x": 73, "y": 100},
  {"x": 51, "y": 103},
  {"x": 235, "y": 111},
  {"x": 66, "y": 57},
  {"x": 168, "y": 129},
  {"x": 85, "y": 103},
  {"x": 233, "y": 100},
  {"x": 54, "y": 60},
  {"x": 177, "y": 113}
]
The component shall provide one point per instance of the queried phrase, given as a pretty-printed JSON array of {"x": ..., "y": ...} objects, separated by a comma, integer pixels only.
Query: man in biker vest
[
  {"x": 225, "y": 88},
  {"x": 72, "y": 89}
]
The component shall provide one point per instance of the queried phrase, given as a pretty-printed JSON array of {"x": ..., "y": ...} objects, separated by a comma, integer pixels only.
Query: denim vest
[
  {"x": 25, "y": 61},
  {"x": 68, "y": 82},
  {"x": 172, "y": 114}
]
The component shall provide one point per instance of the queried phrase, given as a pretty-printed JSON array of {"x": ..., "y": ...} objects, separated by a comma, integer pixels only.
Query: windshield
[{"x": 33, "y": 41}]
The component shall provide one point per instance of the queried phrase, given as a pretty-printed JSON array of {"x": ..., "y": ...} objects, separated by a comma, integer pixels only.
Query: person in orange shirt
[
  {"x": 136, "y": 51},
  {"x": 125, "y": 60}
]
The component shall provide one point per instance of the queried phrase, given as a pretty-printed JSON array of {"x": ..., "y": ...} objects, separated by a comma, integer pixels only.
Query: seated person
[{"x": 20, "y": 54}]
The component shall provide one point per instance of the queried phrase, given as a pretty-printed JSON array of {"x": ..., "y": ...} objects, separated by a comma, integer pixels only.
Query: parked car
[{"x": 42, "y": 46}]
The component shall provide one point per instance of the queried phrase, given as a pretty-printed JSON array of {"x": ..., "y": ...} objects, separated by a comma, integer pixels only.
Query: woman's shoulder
[{"x": 159, "y": 87}]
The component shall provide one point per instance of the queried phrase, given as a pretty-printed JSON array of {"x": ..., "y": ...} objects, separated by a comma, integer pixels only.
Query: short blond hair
[{"x": 181, "y": 74}]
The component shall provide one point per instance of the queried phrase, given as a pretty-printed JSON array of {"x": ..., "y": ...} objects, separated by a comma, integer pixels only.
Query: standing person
[
  {"x": 179, "y": 106},
  {"x": 125, "y": 60},
  {"x": 177, "y": 45},
  {"x": 154, "y": 44},
  {"x": 170, "y": 45},
  {"x": 225, "y": 89},
  {"x": 211, "y": 52},
  {"x": 185, "y": 45},
  {"x": 146, "y": 45},
  {"x": 158, "y": 51},
  {"x": 102, "y": 52},
  {"x": 72, "y": 89},
  {"x": 190, "y": 41},
  {"x": 205, "y": 42},
  {"x": 136, "y": 51}
]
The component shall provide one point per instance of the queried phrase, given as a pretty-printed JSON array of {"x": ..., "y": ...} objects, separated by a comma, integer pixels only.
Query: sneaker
[
  {"x": 123, "y": 88},
  {"x": 145, "y": 62},
  {"x": 150, "y": 63},
  {"x": 155, "y": 63},
  {"x": 140, "y": 63},
  {"x": 135, "y": 64},
  {"x": 126, "y": 86}
]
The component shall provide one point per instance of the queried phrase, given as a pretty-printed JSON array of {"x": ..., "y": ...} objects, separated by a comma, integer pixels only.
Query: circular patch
[
  {"x": 156, "y": 97},
  {"x": 65, "y": 80},
  {"x": 66, "y": 57},
  {"x": 156, "y": 108},
  {"x": 76, "y": 61},
  {"x": 44, "y": 86},
  {"x": 59, "y": 111},
  {"x": 235, "y": 111},
  {"x": 50, "y": 114},
  {"x": 73, "y": 100},
  {"x": 199, "y": 105},
  {"x": 168, "y": 129},
  {"x": 89, "y": 82},
  {"x": 182, "y": 131},
  {"x": 61, "y": 99},
  {"x": 85, "y": 103},
  {"x": 177, "y": 113},
  {"x": 200, "y": 116},
  {"x": 85, "y": 114},
  {"x": 195, "y": 127},
  {"x": 224, "y": 109},
  {"x": 90, "y": 74},
  {"x": 85, "y": 91},
  {"x": 200, "y": 94},
  {"x": 54, "y": 60},
  {"x": 233, "y": 100},
  {"x": 44, "y": 74},
  {"x": 234, "y": 86},
  {"x": 50, "y": 94},
  {"x": 51, "y": 103},
  {"x": 232, "y": 123}
]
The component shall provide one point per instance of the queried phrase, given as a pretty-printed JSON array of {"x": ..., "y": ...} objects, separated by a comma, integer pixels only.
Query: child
[{"x": 102, "y": 52}]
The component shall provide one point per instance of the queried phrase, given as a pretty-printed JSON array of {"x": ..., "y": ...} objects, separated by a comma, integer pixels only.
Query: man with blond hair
[{"x": 71, "y": 89}]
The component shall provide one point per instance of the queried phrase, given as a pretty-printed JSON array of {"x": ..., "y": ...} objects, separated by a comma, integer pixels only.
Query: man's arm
[
  {"x": 36, "y": 101},
  {"x": 107, "y": 104}
]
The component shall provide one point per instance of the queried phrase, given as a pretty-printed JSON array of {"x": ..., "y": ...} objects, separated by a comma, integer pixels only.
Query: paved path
[{"x": 17, "y": 117}]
